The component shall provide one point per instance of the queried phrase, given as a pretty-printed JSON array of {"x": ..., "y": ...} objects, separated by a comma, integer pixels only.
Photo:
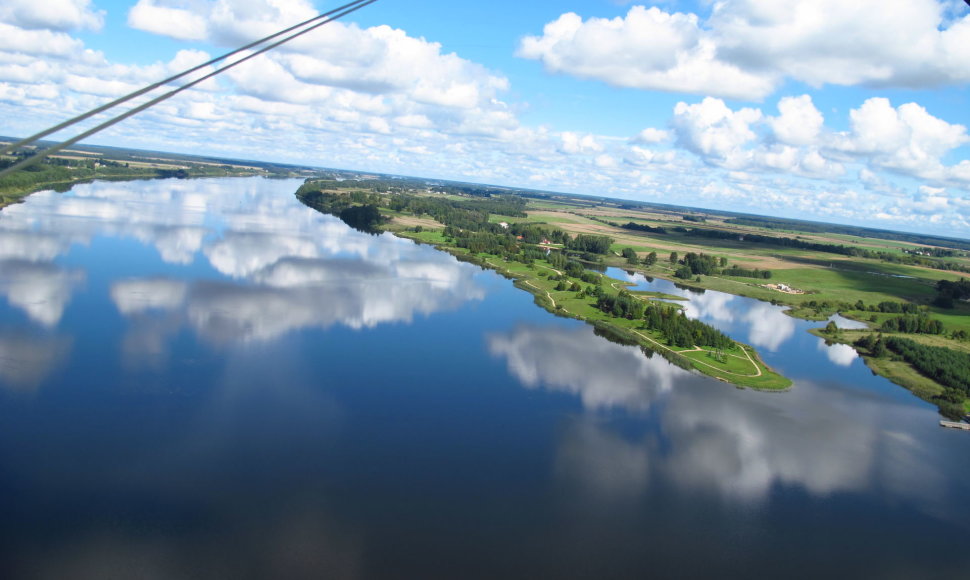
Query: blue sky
[{"x": 820, "y": 109}]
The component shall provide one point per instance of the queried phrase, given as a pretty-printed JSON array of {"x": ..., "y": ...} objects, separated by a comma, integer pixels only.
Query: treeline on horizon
[
  {"x": 61, "y": 173},
  {"x": 907, "y": 258},
  {"x": 774, "y": 223}
]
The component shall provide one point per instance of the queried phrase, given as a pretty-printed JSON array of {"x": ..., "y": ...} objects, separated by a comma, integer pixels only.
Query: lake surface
[{"x": 205, "y": 379}]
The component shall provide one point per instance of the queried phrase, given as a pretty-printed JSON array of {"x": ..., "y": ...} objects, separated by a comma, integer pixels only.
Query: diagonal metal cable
[
  {"x": 13, "y": 146},
  {"x": 327, "y": 18}
]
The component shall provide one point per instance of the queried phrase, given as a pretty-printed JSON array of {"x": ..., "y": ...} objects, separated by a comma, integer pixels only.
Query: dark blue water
[{"x": 204, "y": 379}]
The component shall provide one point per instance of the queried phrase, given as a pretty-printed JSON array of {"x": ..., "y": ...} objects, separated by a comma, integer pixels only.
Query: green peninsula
[
  {"x": 549, "y": 263},
  {"x": 906, "y": 294}
]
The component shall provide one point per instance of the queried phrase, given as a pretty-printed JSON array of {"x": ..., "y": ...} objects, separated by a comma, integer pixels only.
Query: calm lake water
[{"x": 205, "y": 379}]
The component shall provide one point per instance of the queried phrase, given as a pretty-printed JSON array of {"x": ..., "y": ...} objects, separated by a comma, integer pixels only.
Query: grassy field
[{"x": 739, "y": 366}]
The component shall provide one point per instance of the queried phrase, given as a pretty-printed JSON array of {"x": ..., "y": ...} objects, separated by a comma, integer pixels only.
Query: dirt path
[
  {"x": 548, "y": 295},
  {"x": 697, "y": 348},
  {"x": 529, "y": 282},
  {"x": 552, "y": 300}
]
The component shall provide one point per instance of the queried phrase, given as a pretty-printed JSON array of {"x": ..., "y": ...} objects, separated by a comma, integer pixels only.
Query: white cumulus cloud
[
  {"x": 168, "y": 19},
  {"x": 714, "y": 131},
  {"x": 799, "y": 122},
  {"x": 748, "y": 48},
  {"x": 906, "y": 139},
  {"x": 60, "y": 15}
]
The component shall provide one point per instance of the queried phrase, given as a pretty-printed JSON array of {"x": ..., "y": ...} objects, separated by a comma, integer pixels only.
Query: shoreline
[{"x": 764, "y": 378}]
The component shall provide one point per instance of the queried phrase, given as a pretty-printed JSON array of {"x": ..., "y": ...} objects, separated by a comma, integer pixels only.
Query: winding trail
[
  {"x": 529, "y": 282},
  {"x": 757, "y": 368},
  {"x": 747, "y": 355},
  {"x": 548, "y": 295}
]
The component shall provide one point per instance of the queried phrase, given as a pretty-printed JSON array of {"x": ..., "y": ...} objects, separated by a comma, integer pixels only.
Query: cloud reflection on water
[
  {"x": 288, "y": 267},
  {"x": 709, "y": 306},
  {"x": 737, "y": 445},
  {"x": 769, "y": 327},
  {"x": 603, "y": 374},
  {"x": 41, "y": 290},
  {"x": 26, "y": 359},
  {"x": 840, "y": 354},
  {"x": 293, "y": 294}
]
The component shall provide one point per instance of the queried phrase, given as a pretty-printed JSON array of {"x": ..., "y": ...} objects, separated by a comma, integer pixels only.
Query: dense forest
[
  {"x": 948, "y": 367},
  {"x": 914, "y": 324},
  {"x": 358, "y": 210},
  {"x": 746, "y": 272},
  {"x": 644, "y": 228},
  {"x": 950, "y": 292}
]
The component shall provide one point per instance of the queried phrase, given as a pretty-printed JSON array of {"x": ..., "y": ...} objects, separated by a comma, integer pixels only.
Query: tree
[
  {"x": 831, "y": 328},
  {"x": 674, "y": 257},
  {"x": 651, "y": 259},
  {"x": 631, "y": 256},
  {"x": 879, "y": 349}
]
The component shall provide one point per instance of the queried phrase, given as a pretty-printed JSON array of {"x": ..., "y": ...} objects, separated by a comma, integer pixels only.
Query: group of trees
[
  {"x": 681, "y": 331},
  {"x": 746, "y": 273},
  {"x": 644, "y": 228},
  {"x": 948, "y": 293},
  {"x": 913, "y": 324},
  {"x": 671, "y": 322},
  {"x": 893, "y": 307},
  {"x": 697, "y": 264},
  {"x": 886, "y": 306},
  {"x": 535, "y": 233},
  {"x": 359, "y": 211},
  {"x": 590, "y": 243},
  {"x": 622, "y": 305},
  {"x": 701, "y": 263},
  {"x": 366, "y": 218},
  {"x": 631, "y": 256},
  {"x": 948, "y": 367},
  {"x": 482, "y": 242}
]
